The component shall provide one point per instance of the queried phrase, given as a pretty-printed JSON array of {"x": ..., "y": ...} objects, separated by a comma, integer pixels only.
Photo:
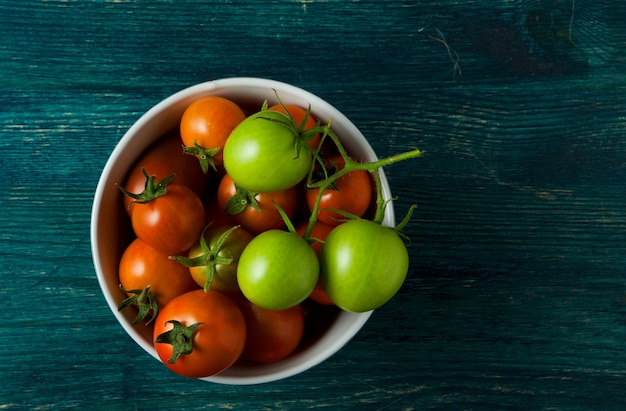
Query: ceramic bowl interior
[{"x": 330, "y": 328}]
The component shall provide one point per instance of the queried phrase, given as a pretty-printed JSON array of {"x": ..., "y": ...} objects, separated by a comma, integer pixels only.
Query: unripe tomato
[
  {"x": 362, "y": 265},
  {"x": 265, "y": 153},
  {"x": 277, "y": 270},
  {"x": 217, "y": 258},
  {"x": 298, "y": 114}
]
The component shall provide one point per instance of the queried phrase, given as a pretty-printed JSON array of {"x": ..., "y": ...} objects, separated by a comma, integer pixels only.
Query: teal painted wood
[{"x": 516, "y": 295}]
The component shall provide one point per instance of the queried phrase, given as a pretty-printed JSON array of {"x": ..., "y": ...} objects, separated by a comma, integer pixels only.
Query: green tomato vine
[{"x": 302, "y": 137}]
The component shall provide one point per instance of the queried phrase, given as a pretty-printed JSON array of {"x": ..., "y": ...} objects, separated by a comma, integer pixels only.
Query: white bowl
[{"x": 109, "y": 226}]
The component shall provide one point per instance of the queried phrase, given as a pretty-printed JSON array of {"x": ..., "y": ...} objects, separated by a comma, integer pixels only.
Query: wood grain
[{"x": 516, "y": 297}]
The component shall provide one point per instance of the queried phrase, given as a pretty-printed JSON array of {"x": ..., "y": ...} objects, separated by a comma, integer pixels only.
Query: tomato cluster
[{"x": 241, "y": 223}]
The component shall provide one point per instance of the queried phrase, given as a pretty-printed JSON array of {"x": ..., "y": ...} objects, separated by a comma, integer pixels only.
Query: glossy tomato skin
[
  {"x": 319, "y": 232},
  {"x": 217, "y": 342},
  {"x": 277, "y": 270},
  {"x": 298, "y": 113},
  {"x": 272, "y": 335},
  {"x": 171, "y": 223},
  {"x": 261, "y": 154},
  {"x": 208, "y": 122},
  {"x": 166, "y": 157},
  {"x": 225, "y": 276},
  {"x": 141, "y": 265},
  {"x": 352, "y": 193},
  {"x": 362, "y": 265},
  {"x": 250, "y": 218}
]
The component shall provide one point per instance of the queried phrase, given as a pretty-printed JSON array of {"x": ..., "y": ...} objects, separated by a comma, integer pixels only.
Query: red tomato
[
  {"x": 170, "y": 223},
  {"x": 245, "y": 214},
  {"x": 199, "y": 333},
  {"x": 319, "y": 232},
  {"x": 298, "y": 114},
  {"x": 352, "y": 192},
  {"x": 141, "y": 265},
  {"x": 166, "y": 157},
  {"x": 272, "y": 335},
  {"x": 206, "y": 125}
]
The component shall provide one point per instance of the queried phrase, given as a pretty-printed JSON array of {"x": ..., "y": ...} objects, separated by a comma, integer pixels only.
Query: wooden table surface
[{"x": 516, "y": 296}]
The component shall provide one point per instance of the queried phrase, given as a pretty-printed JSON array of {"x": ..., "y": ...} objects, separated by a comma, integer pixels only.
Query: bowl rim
[{"x": 354, "y": 321}]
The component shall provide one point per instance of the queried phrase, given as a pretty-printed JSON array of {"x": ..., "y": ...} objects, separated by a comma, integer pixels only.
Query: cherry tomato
[
  {"x": 255, "y": 212},
  {"x": 199, "y": 333},
  {"x": 277, "y": 270},
  {"x": 265, "y": 153},
  {"x": 170, "y": 223},
  {"x": 362, "y": 265},
  {"x": 272, "y": 335},
  {"x": 206, "y": 125},
  {"x": 213, "y": 260},
  {"x": 351, "y": 192},
  {"x": 141, "y": 265},
  {"x": 298, "y": 114},
  {"x": 166, "y": 157},
  {"x": 319, "y": 232}
]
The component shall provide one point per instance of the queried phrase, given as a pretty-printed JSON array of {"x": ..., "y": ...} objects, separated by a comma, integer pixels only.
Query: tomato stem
[
  {"x": 285, "y": 217},
  {"x": 210, "y": 256},
  {"x": 313, "y": 214},
  {"x": 152, "y": 189},
  {"x": 241, "y": 200},
  {"x": 381, "y": 204},
  {"x": 406, "y": 218},
  {"x": 145, "y": 302},
  {"x": 350, "y": 166},
  {"x": 180, "y": 337},
  {"x": 205, "y": 155}
]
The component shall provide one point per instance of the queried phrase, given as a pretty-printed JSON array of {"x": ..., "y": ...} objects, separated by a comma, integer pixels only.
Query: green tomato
[
  {"x": 265, "y": 153},
  {"x": 277, "y": 270},
  {"x": 362, "y": 265}
]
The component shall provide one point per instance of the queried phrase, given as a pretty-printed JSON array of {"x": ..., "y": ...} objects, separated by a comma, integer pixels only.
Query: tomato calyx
[
  {"x": 286, "y": 121},
  {"x": 145, "y": 302},
  {"x": 210, "y": 256},
  {"x": 179, "y": 337},
  {"x": 205, "y": 155},
  {"x": 242, "y": 199},
  {"x": 152, "y": 189},
  {"x": 302, "y": 135}
]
